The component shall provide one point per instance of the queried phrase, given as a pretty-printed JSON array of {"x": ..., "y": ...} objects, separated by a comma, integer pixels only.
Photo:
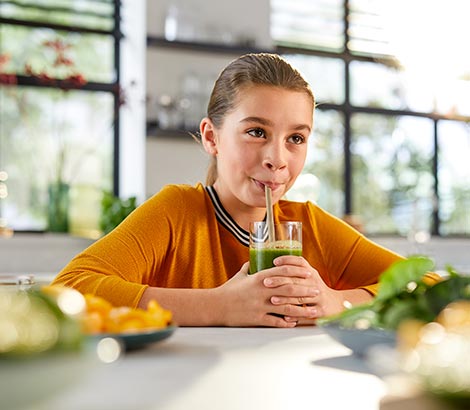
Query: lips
[{"x": 271, "y": 184}]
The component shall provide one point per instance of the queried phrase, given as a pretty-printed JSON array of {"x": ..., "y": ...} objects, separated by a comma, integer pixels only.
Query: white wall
[
  {"x": 206, "y": 20},
  {"x": 174, "y": 161},
  {"x": 132, "y": 134}
]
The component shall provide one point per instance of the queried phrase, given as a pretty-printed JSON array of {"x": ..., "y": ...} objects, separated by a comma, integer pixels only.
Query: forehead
[
  {"x": 284, "y": 104},
  {"x": 257, "y": 92}
]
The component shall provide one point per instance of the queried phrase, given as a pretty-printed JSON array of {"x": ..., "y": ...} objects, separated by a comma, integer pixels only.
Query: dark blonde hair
[{"x": 247, "y": 70}]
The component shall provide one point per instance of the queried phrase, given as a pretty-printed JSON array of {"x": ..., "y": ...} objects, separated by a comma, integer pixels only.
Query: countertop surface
[{"x": 230, "y": 368}]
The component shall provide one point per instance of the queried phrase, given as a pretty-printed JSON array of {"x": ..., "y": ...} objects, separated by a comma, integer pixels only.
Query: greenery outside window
[
  {"x": 54, "y": 130},
  {"x": 389, "y": 143},
  {"x": 454, "y": 177}
]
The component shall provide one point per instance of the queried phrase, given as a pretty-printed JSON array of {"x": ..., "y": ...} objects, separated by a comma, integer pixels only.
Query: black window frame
[
  {"x": 347, "y": 109},
  {"x": 114, "y": 87}
]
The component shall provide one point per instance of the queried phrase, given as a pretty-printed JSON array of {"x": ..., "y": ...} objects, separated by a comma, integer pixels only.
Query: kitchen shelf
[
  {"x": 153, "y": 130},
  {"x": 218, "y": 48}
]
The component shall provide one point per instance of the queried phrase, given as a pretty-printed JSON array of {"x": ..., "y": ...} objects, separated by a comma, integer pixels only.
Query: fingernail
[
  {"x": 268, "y": 282},
  {"x": 275, "y": 299}
]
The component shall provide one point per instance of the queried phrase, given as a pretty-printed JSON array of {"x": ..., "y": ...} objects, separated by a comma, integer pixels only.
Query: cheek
[
  {"x": 233, "y": 161},
  {"x": 297, "y": 163},
  {"x": 239, "y": 155}
]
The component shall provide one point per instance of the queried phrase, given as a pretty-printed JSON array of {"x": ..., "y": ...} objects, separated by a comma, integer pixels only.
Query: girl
[{"x": 187, "y": 246}]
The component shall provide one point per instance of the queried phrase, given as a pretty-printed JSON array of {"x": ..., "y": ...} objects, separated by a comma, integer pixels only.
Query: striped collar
[{"x": 226, "y": 220}]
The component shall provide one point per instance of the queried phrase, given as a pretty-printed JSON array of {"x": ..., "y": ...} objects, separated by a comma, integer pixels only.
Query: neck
[{"x": 241, "y": 213}]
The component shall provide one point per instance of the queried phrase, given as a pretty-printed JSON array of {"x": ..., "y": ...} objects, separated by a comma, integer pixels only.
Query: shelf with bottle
[{"x": 192, "y": 44}]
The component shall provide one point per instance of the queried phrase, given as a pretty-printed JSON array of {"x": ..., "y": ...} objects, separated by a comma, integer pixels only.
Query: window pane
[
  {"x": 92, "y": 55},
  {"x": 376, "y": 85},
  {"x": 392, "y": 172},
  {"x": 453, "y": 97},
  {"x": 367, "y": 33},
  {"x": 454, "y": 177},
  {"x": 316, "y": 24},
  {"x": 38, "y": 128},
  {"x": 325, "y": 76},
  {"x": 321, "y": 180},
  {"x": 89, "y": 14}
]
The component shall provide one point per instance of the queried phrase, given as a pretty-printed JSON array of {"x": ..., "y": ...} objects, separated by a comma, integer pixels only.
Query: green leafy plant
[
  {"x": 403, "y": 294},
  {"x": 114, "y": 210}
]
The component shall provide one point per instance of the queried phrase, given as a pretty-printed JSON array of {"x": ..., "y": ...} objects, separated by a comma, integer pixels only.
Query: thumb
[{"x": 245, "y": 268}]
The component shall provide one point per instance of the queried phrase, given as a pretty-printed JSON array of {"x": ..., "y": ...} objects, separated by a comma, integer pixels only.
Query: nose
[{"x": 275, "y": 156}]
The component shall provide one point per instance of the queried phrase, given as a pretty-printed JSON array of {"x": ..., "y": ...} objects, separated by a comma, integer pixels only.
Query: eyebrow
[{"x": 264, "y": 121}]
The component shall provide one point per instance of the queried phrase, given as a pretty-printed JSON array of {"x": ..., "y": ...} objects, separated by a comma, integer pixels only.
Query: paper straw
[{"x": 269, "y": 213}]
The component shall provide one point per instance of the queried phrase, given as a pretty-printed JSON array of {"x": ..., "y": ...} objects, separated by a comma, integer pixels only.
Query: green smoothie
[{"x": 262, "y": 256}]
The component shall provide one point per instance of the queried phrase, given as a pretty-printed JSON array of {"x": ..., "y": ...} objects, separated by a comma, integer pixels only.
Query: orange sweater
[{"x": 176, "y": 240}]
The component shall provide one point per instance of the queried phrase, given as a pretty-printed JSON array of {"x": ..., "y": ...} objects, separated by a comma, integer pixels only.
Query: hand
[
  {"x": 298, "y": 284},
  {"x": 245, "y": 300}
]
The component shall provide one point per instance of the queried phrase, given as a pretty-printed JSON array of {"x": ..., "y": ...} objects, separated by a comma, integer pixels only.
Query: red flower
[
  {"x": 57, "y": 45},
  {"x": 62, "y": 60},
  {"x": 4, "y": 59},
  {"x": 63, "y": 63},
  {"x": 5, "y": 78},
  {"x": 73, "y": 81}
]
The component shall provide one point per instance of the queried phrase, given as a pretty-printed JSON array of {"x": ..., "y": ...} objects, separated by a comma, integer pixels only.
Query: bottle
[{"x": 171, "y": 23}]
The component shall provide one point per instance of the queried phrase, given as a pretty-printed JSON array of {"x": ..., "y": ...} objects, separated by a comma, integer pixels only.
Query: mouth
[{"x": 262, "y": 184}]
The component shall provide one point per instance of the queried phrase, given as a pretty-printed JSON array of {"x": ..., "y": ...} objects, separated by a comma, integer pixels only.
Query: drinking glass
[{"x": 263, "y": 250}]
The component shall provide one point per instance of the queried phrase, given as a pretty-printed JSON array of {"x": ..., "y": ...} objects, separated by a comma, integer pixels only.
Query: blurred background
[{"x": 98, "y": 96}]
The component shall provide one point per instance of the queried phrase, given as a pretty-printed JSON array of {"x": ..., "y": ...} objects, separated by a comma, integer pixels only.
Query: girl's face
[{"x": 262, "y": 141}]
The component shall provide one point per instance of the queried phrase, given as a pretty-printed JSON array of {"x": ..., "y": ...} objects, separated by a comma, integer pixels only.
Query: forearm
[
  {"x": 355, "y": 296},
  {"x": 190, "y": 307}
]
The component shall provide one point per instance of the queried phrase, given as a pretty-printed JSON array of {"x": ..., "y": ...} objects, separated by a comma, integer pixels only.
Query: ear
[{"x": 208, "y": 136}]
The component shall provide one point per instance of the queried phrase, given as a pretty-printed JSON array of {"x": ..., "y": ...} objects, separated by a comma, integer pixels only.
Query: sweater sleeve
[
  {"x": 353, "y": 260},
  {"x": 121, "y": 265}
]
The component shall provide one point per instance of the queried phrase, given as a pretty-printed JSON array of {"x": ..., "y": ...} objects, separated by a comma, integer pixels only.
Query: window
[
  {"x": 389, "y": 142},
  {"x": 454, "y": 177},
  {"x": 59, "y": 122},
  {"x": 326, "y": 73},
  {"x": 307, "y": 23},
  {"x": 392, "y": 182}
]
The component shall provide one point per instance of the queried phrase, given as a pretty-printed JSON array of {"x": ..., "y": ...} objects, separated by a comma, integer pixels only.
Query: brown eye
[
  {"x": 297, "y": 139},
  {"x": 257, "y": 132}
]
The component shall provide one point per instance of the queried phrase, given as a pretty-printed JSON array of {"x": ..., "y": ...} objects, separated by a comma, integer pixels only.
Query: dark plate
[
  {"x": 360, "y": 340},
  {"x": 138, "y": 340}
]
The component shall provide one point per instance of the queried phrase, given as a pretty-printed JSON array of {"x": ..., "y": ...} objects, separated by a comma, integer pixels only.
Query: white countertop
[{"x": 230, "y": 368}]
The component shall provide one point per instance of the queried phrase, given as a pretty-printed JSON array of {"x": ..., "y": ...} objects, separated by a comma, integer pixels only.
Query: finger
[
  {"x": 292, "y": 287},
  {"x": 289, "y": 271},
  {"x": 272, "y": 320},
  {"x": 298, "y": 300},
  {"x": 306, "y": 322},
  {"x": 291, "y": 260},
  {"x": 245, "y": 268},
  {"x": 312, "y": 315},
  {"x": 294, "y": 311},
  {"x": 276, "y": 281}
]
